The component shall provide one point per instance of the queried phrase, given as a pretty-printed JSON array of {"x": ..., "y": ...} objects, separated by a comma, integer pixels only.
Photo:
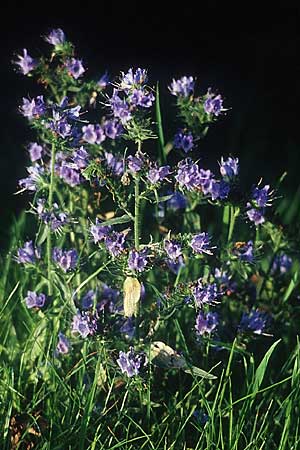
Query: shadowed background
[{"x": 251, "y": 57}]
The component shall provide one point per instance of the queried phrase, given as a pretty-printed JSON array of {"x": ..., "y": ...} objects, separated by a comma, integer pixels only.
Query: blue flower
[
  {"x": 182, "y": 87},
  {"x": 261, "y": 196},
  {"x": 184, "y": 141},
  {"x": 26, "y": 63},
  {"x": 254, "y": 321},
  {"x": 256, "y": 216},
  {"x": 114, "y": 163},
  {"x": 219, "y": 190},
  {"x": 229, "y": 167},
  {"x": 112, "y": 128},
  {"x": 119, "y": 107},
  {"x": 69, "y": 174},
  {"x": 103, "y": 81},
  {"x": 65, "y": 259},
  {"x": 99, "y": 232},
  {"x": 88, "y": 299},
  {"x": 205, "y": 294},
  {"x": 80, "y": 158},
  {"x": 34, "y": 300},
  {"x": 141, "y": 98},
  {"x": 56, "y": 37},
  {"x": 63, "y": 345},
  {"x": 157, "y": 174},
  {"x": 75, "y": 67},
  {"x": 135, "y": 163},
  {"x": 213, "y": 104},
  {"x": 137, "y": 260},
  {"x": 33, "y": 108},
  {"x": 28, "y": 254},
  {"x": 35, "y": 151},
  {"x": 133, "y": 79},
  {"x": 282, "y": 264},
  {"x": 35, "y": 177},
  {"x": 130, "y": 362},
  {"x": 206, "y": 323},
  {"x": 84, "y": 323},
  {"x": 200, "y": 243},
  {"x": 177, "y": 201},
  {"x": 173, "y": 249},
  {"x": 93, "y": 134},
  {"x": 188, "y": 174},
  {"x": 114, "y": 243},
  {"x": 245, "y": 251}
]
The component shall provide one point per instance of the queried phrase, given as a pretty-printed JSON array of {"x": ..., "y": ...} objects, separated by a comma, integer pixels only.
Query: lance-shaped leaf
[{"x": 132, "y": 294}]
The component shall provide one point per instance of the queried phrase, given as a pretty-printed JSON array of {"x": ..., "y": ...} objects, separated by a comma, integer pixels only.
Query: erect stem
[
  {"x": 137, "y": 208},
  {"x": 137, "y": 213},
  {"x": 50, "y": 202}
]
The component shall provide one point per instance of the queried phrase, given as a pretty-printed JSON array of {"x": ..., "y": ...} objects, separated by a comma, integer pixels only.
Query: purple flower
[
  {"x": 69, "y": 175},
  {"x": 26, "y": 63},
  {"x": 205, "y": 294},
  {"x": 261, "y": 196},
  {"x": 56, "y": 37},
  {"x": 177, "y": 201},
  {"x": 133, "y": 79},
  {"x": 213, "y": 104},
  {"x": 75, "y": 67},
  {"x": 34, "y": 300},
  {"x": 28, "y": 254},
  {"x": 229, "y": 167},
  {"x": 114, "y": 163},
  {"x": 173, "y": 249},
  {"x": 200, "y": 243},
  {"x": 128, "y": 328},
  {"x": 35, "y": 177},
  {"x": 256, "y": 216},
  {"x": 206, "y": 323},
  {"x": 119, "y": 107},
  {"x": 141, "y": 98},
  {"x": 114, "y": 243},
  {"x": 135, "y": 163},
  {"x": 158, "y": 174},
  {"x": 113, "y": 128},
  {"x": 35, "y": 151},
  {"x": 282, "y": 264},
  {"x": 109, "y": 298},
  {"x": 99, "y": 232},
  {"x": 84, "y": 323},
  {"x": 66, "y": 259},
  {"x": 54, "y": 218},
  {"x": 245, "y": 251},
  {"x": 88, "y": 299},
  {"x": 130, "y": 362},
  {"x": 175, "y": 265},
  {"x": 184, "y": 141},
  {"x": 206, "y": 181},
  {"x": 219, "y": 190},
  {"x": 93, "y": 134},
  {"x": 63, "y": 345},
  {"x": 188, "y": 174},
  {"x": 138, "y": 260},
  {"x": 33, "y": 108},
  {"x": 80, "y": 158},
  {"x": 254, "y": 321},
  {"x": 103, "y": 81},
  {"x": 182, "y": 87}
]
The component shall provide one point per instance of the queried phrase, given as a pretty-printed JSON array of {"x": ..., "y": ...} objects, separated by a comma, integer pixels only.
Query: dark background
[{"x": 249, "y": 55}]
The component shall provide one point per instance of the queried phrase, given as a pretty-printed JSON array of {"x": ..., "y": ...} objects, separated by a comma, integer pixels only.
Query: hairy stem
[
  {"x": 137, "y": 208},
  {"x": 137, "y": 213},
  {"x": 50, "y": 202}
]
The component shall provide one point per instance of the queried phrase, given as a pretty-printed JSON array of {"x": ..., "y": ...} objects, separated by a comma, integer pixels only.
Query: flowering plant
[{"x": 142, "y": 256}]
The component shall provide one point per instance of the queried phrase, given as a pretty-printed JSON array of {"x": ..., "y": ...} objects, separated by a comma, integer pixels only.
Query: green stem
[
  {"x": 50, "y": 202},
  {"x": 137, "y": 208},
  {"x": 137, "y": 213}
]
